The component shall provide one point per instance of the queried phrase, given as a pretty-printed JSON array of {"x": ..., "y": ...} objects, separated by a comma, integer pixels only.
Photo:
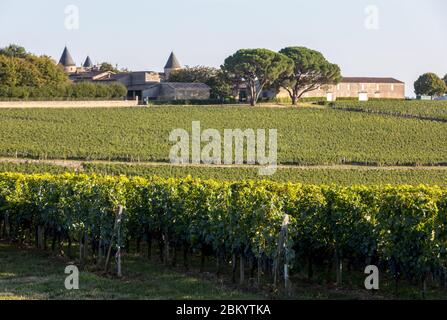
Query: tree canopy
[
  {"x": 310, "y": 71},
  {"x": 106, "y": 66},
  {"x": 30, "y": 71},
  {"x": 430, "y": 84},
  {"x": 257, "y": 69},
  {"x": 14, "y": 51}
]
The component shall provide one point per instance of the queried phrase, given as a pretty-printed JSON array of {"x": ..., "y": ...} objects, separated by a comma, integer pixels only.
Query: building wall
[
  {"x": 169, "y": 93},
  {"x": 192, "y": 94},
  {"x": 151, "y": 93},
  {"x": 70, "y": 69},
  {"x": 352, "y": 90},
  {"x": 68, "y": 104}
]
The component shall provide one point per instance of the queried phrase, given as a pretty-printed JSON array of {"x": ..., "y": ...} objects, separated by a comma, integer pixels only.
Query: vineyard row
[{"x": 403, "y": 229}]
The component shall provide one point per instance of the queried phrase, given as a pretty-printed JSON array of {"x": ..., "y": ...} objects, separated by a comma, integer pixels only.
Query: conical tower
[
  {"x": 67, "y": 61},
  {"x": 172, "y": 65},
  {"x": 88, "y": 63}
]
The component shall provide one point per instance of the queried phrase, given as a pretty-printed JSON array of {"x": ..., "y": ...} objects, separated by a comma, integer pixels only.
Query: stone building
[
  {"x": 171, "y": 91},
  {"x": 144, "y": 85},
  {"x": 357, "y": 87}
]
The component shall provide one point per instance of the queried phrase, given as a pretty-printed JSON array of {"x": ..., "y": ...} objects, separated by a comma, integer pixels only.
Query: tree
[
  {"x": 257, "y": 68},
  {"x": 105, "y": 66},
  {"x": 50, "y": 73},
  {"x": 14, "y": 51},
  {"x": 214, "y": 78},
  {"x": 445, "y": 81},
  {"x": 429, "y": 84},
  {"x": 8, "y": 73},
  {"x": 30, "y": 71},
  {"x": 310, "y": 71},
  {"x": 193, "y": 74}
]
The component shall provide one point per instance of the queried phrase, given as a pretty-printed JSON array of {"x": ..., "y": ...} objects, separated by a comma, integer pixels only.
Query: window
[{"x": 392, "y": 87}]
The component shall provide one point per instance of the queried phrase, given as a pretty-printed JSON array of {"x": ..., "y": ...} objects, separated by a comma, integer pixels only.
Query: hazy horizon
[{"x": 401, "y": 39}]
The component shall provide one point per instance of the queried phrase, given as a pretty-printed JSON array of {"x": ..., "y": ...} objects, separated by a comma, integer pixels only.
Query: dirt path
[{"x": 78, "y": 165}]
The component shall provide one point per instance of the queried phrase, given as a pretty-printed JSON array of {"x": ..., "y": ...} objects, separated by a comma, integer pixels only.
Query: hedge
[
  {"x": 401, "y": 229},
  {"x": 76, "y": 91}
]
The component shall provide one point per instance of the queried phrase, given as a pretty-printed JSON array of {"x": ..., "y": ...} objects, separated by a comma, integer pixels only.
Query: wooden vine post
[
  {"x": 6, "y": 226},
  {"x": 242, "y": 268},
  {"x": 281, "y": 254},
  {"x": 118, "y": 251},
  {"x": 40, "y": 237},
  {"x": 109, "y": 252}
]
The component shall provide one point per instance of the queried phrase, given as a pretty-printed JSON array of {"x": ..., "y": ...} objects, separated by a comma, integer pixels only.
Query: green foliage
[
  {"x": 14, "y": 51},
  {"x": 305, "y": 136},
  {"x": 430, "y": 84},
  {"x": 106, "y": 66},
  {"x": 257, "y": 69},
  {"x": 311, "y": 70},
  {"x": 343, "y": 177},
  {"x": 30, "y": 167},
  {"x": 30, "y": 71},
  {"x": 193, "y": 74},
  {"x": 428, "y": 110},
  {"x": 402, "y": 228},
  {"x": 75, "y": 91}
]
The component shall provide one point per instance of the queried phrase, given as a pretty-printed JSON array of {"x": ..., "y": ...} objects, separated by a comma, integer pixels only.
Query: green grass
[
  {"x": 431, "y": 110},
  {"x": 30, "y": 274},
  {"x": 306, "y": 136}
]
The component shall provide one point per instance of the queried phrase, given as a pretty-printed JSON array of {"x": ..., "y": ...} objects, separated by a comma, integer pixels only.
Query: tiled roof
[
  {"x": 186, "y": 85},
  {"x": 369, "y": 80}
]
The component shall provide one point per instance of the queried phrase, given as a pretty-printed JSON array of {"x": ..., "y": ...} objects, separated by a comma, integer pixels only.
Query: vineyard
[
  {"x": 401, "y": 229},
  {"x": 305, "y": 136},
  {"x": 308, "y": 175},
  {"x": 345, "y": 176},
  {"x": 429, "y": 110}
]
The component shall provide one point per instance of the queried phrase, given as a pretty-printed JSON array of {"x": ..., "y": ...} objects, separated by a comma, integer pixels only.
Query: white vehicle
[{"x": 441, "y": 98}]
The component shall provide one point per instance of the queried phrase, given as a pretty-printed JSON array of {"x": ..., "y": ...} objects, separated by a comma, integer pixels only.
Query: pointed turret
[
  {"x": 88, "y": 63},
  {"x": 67, "y": 61},
  {"x": 172, "y": 64}
]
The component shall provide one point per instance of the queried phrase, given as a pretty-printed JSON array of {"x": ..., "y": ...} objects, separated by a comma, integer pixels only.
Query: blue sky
[{"x": 411, "y": 37}]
